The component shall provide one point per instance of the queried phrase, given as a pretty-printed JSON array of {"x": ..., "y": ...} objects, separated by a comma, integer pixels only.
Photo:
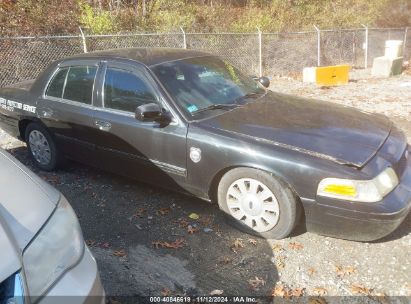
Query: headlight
[
  {"x": 368, "y": 191},
  {"x": 57, "y": 247},
  {"x": 12, "y": 290}
]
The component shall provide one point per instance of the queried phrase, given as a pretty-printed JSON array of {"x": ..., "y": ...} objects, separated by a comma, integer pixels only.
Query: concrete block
[
  {"x": 386, "y": 67},
  {"x": 393, "y": 48},
  {"x": 309, "y": 74},
  {"x": 326, "y": 75}
]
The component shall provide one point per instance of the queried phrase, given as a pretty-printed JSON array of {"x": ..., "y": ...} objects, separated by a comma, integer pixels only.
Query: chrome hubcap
[
  {"x": 40, "y": 147},
  {"x": 253, "y": 203}
]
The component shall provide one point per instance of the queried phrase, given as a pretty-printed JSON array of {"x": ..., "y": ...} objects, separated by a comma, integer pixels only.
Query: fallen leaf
[
  {"x": 278, "y": 248},
  {"x": 181, "y": 222},
  {"x": 381, "y": 298},
  {"x": 320, "y": 291},
  {"x": 105, "y": 245},
  {"x": 216, "y": 292},
  {"x": 359, "y": 289},
  {"x": 191, "y": 229},
  {"x": 140, "y": 212},
  {"x": 206, "y": 220},
  {"x": 179, "y": 243},
  {"x": 311, "y": 271},
  {"x": 317, "y": 300},
  {"x": 194, "y": 216},
  {"x": 279, "y": 262},
  {"x": 157, "y": 244},
  {"x": 53, "y": 179},
  {"x": 163, "y": 211},
  {"x": 256, "y": 283},
  {"x": 238, "y": 243},
  {"x": 253, "y": 242},
  {"x": 281, "y": 291},
  {"x": 90, "y": 243},
  {"x": 166, "y": 292},
  {"x": 119, "y": 253},
  {"x": 297, "y": 292},
  {"x": 295, "y": 246},
  {"x": 342, "y": 271}
]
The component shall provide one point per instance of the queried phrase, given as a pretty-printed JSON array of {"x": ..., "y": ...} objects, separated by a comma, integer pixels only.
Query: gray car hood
[{"x": 26, "y": 202}]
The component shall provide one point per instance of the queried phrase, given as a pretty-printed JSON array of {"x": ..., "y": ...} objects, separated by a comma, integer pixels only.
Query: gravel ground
[{"x": 145, "y": 242}]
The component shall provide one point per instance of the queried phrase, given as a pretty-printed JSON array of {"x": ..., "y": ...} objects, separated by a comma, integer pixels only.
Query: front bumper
[
  {"x": 80, "y": 284},
  {"x": 361, "y": 221}
]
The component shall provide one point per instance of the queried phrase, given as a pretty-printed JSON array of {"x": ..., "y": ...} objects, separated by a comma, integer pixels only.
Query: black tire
[
  {"x": 287, "y": 202},
  {"x": 56, "y": 159}
]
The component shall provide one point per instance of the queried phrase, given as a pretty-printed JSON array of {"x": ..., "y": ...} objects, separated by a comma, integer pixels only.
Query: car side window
[
  {"x": 125, "y": 90},
  {"x": 55, "y": 88},
  {"x": 79, "y": 84}
]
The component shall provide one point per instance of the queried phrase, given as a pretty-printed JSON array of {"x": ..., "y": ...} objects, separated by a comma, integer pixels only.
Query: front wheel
[
  {"x": 258, "y": 203},
  {"x": 42, "y": 148}
]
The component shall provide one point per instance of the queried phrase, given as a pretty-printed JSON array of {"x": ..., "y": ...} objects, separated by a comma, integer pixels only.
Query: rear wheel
[
  {"x": 42, "y": 148},
  {"x": 258, "y": 203}
]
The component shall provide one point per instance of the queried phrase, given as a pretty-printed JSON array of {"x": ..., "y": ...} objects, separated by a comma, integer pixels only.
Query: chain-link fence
[
  {"x": 23, "y": 58},
  {"x": 240, "y": 49},
  {"x": 288, "y": 53},
  {"x": 104, "y": 42}
]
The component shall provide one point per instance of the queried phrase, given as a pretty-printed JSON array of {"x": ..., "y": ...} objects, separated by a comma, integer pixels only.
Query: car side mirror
[
  {"x": 151, "y": 112},
  {"x": 264, "y": 81}
]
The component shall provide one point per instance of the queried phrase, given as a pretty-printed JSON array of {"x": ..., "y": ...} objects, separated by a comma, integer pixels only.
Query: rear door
[
  {"x": 144, "y": 150},
  {"x": 66, "y": 108}
]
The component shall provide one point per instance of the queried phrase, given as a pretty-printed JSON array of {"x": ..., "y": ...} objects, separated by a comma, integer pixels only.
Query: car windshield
[{"x": 206, "y": 83}]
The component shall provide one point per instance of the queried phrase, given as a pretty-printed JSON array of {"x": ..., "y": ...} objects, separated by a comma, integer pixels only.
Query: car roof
[{"x": 147, "y": 56}]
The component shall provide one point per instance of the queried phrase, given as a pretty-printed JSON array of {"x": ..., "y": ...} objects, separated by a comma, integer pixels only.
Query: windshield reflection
[{"x": 199, "y": 84}]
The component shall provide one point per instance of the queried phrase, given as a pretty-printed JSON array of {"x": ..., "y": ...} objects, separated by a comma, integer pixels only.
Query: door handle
[{"x": 103, "y": 125}]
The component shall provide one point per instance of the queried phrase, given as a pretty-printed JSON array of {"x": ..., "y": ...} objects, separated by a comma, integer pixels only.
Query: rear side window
[
  {"x": 79, "y": 85},
  {"x": 55, "y": 88},
  {"x": 124, "y": 90}
]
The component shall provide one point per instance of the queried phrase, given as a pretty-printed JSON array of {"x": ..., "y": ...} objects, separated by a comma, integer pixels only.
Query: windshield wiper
[
  {"x": 249, "y": 95},
  {"x": 216, "y": 107}
]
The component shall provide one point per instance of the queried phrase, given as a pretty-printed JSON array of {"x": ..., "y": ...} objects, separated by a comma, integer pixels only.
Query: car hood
[
  {"x": 323, "y": 129},
  {"x": 26, "y": 202}
]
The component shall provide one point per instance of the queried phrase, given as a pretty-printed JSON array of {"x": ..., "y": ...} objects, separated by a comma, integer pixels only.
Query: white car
[{"x": 42, "y": 252}]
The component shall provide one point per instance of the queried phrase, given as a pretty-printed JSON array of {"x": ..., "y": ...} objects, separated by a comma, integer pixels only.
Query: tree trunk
[{"x": 143, "y": 5}]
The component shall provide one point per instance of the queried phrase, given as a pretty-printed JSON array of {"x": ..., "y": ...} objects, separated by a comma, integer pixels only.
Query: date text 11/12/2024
[{"x": 203, "y": 299}]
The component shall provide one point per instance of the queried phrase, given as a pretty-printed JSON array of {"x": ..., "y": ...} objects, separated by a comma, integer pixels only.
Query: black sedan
[{"x": 192, "y": 122}]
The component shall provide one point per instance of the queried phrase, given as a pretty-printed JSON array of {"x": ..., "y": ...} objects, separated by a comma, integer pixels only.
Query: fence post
[
  {"x": 404, "y": 45},
  {"x": 260, "y": 52},
  {"x": 84, "y": 40},
  {"x": 318, "y": 45},
  {"x": 184, "y": 38},
  {"x": 365, "y": 46}
]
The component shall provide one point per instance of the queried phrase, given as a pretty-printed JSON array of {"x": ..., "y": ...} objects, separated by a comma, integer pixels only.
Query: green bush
[{"x": 96, "y": 21}]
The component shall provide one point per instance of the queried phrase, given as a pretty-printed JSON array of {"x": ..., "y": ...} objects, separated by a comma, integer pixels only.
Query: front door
[{"x": 144, "y": 150}]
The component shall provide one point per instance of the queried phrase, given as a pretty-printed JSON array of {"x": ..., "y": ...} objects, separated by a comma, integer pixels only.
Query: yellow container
[{"x": 332, "y": 75}]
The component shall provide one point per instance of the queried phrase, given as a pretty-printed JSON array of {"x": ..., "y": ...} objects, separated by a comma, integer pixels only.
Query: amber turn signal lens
[{"x": 341, "y": 190}]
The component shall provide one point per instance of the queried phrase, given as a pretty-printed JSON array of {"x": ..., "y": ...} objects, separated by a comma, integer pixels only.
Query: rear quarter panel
[{"x": 16, "y": 104}]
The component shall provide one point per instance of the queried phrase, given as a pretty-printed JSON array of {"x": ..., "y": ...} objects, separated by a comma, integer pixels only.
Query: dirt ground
[{"x": 146, "y": 243}]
